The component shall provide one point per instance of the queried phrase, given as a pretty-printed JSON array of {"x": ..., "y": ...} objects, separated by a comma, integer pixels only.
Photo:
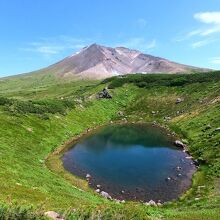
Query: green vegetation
[{"x": 30, "y": 146}]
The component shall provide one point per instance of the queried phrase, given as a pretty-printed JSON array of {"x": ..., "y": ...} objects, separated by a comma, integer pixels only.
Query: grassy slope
[{"x": 24, "y": 176}]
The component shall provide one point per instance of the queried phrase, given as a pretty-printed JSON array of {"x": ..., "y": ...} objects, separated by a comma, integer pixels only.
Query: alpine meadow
[{"x": 110, "y": 132}]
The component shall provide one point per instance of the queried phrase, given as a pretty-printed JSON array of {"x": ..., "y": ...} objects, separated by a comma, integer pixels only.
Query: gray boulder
[
  {"x": 104, "y": 94},
  {"x": 105, "y": 195}
]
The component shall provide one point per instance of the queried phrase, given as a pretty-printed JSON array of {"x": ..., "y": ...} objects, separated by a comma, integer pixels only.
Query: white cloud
[
  {"x": 209, "y": 25},
  {"x": 140, "y": 44},
  {"x": 208, "y": 17},
  {"x": 215, "y": 60},
  {"x": 211, "y": 20},
  {"x": 48, "y": 47}
]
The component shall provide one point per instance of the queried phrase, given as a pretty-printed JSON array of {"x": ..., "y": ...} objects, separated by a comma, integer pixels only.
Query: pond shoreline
[{"x": 80, "y": 182}]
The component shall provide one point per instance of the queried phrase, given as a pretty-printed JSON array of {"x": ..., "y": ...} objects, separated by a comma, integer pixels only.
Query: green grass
[{"x": 29, "y": 177}]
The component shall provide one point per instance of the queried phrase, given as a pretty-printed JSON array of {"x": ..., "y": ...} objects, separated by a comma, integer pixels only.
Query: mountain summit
[{"x": 99, "y": 62}]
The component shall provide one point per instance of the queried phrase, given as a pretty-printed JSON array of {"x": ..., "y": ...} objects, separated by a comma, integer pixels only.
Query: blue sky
[{"x": 35, "y": 34}]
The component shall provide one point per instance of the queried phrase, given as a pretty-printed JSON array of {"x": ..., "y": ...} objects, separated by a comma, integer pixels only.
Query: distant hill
[{"x": 99, "y": 62}]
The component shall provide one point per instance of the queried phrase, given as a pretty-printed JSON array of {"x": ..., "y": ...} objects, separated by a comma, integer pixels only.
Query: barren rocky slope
[{"x": 99, "y": 62}]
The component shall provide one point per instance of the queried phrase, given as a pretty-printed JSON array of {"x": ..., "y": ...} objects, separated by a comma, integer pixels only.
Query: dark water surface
[{"x": 132, "y": 162}]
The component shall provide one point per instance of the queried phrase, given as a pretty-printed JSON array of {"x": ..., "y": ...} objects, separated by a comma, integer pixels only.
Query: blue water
[{"x": 134, "y": 158}]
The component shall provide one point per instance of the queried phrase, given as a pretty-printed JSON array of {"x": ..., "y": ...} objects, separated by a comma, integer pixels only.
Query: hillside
[{"x": 37, "y": 120}]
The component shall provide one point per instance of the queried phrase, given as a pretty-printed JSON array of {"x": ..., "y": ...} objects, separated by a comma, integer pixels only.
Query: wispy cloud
[
  {"x": 211, "y": 20},
  {"x": 141, "y": 22},
  {"x": 48, "y": 47},
  {"x": 140, "y": 44},
  {"x": 201, "y": 43},
  {"x": 205, "y": 34},
  {"x": 215, "y": 60}
]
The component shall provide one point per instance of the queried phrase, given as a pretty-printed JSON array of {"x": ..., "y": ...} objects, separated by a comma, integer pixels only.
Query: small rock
[
  {"x": 53, "y": 215},
  {"x": 179, "y": 174},
  {"x": 168, "y": 178},
  {"x": 153, "y": 112},
  {"x": 179, "y": 143},
  {"x": 105, "y": 195},
  {"x": 117, "y": 200},
  {"x": 178, "y": 168},
  {"x": 217, "y": 129},
  {"x": 196, "y": 199},
  {"x": 88, "y": 176},
  {"x": 98, "y": 190},
  {"x": 173, "y": 133},
  {"x": 122, "y": 191},
  {"x": 167, "y": 118},
  {"x": 154, "y": 123},
  {"x": 208, "y": 126},
  {"x": 179, "y": 100},
  {"x": 120, "y": 113},
  {"x": 30, "y": 129},
  {"x": 152, "y": 203},
  {"x": 18, "y": 184},
  {"x": 98, "y": 186},
  {"x": 189, "y": 157}
]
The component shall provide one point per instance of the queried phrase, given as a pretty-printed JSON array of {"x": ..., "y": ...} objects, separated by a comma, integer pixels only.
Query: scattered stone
[
  {"x": 154, "y": 123},
  {"x": 104, "y": 94},
  {"x": 98, "y": 190},
  {"x": 179, "y": 143},
  {"x": 217, "y": 129},
  {"x": 179, "y": 100},
  {"x": 208, "y": 126},
  {"x": 53, "y": 215},
  {"x": 179, "y": 174},
  {"x": 159, "y": 204},
  {"x": 105, "y": 195},
  {"x": 18, "y": 184},
  {"x": 151, "y": 203},
  {"x": 98, "y": 186},
  {"x": 120, "y": 113},
  {"x": 30, "y": 129},
  {"x": 88, "y": 176},
  {"x": 196, "y": 162},
  {"x": 168, "y": 178},
  {"x": 122, "y": 191},
  {"x": 153, "y": 112},
  {"x": 122, "y": 201},
  {"x": 167, "y": 118},
  {"x": 178, "y": 168},
  {"x": 196, "y": 199},
  {"x": 117, "y": 200},
  {"x": 189, "y": 157}
]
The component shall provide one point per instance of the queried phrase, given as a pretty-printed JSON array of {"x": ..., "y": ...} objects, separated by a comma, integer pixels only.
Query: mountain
[{"x": 99, "y": 62}]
